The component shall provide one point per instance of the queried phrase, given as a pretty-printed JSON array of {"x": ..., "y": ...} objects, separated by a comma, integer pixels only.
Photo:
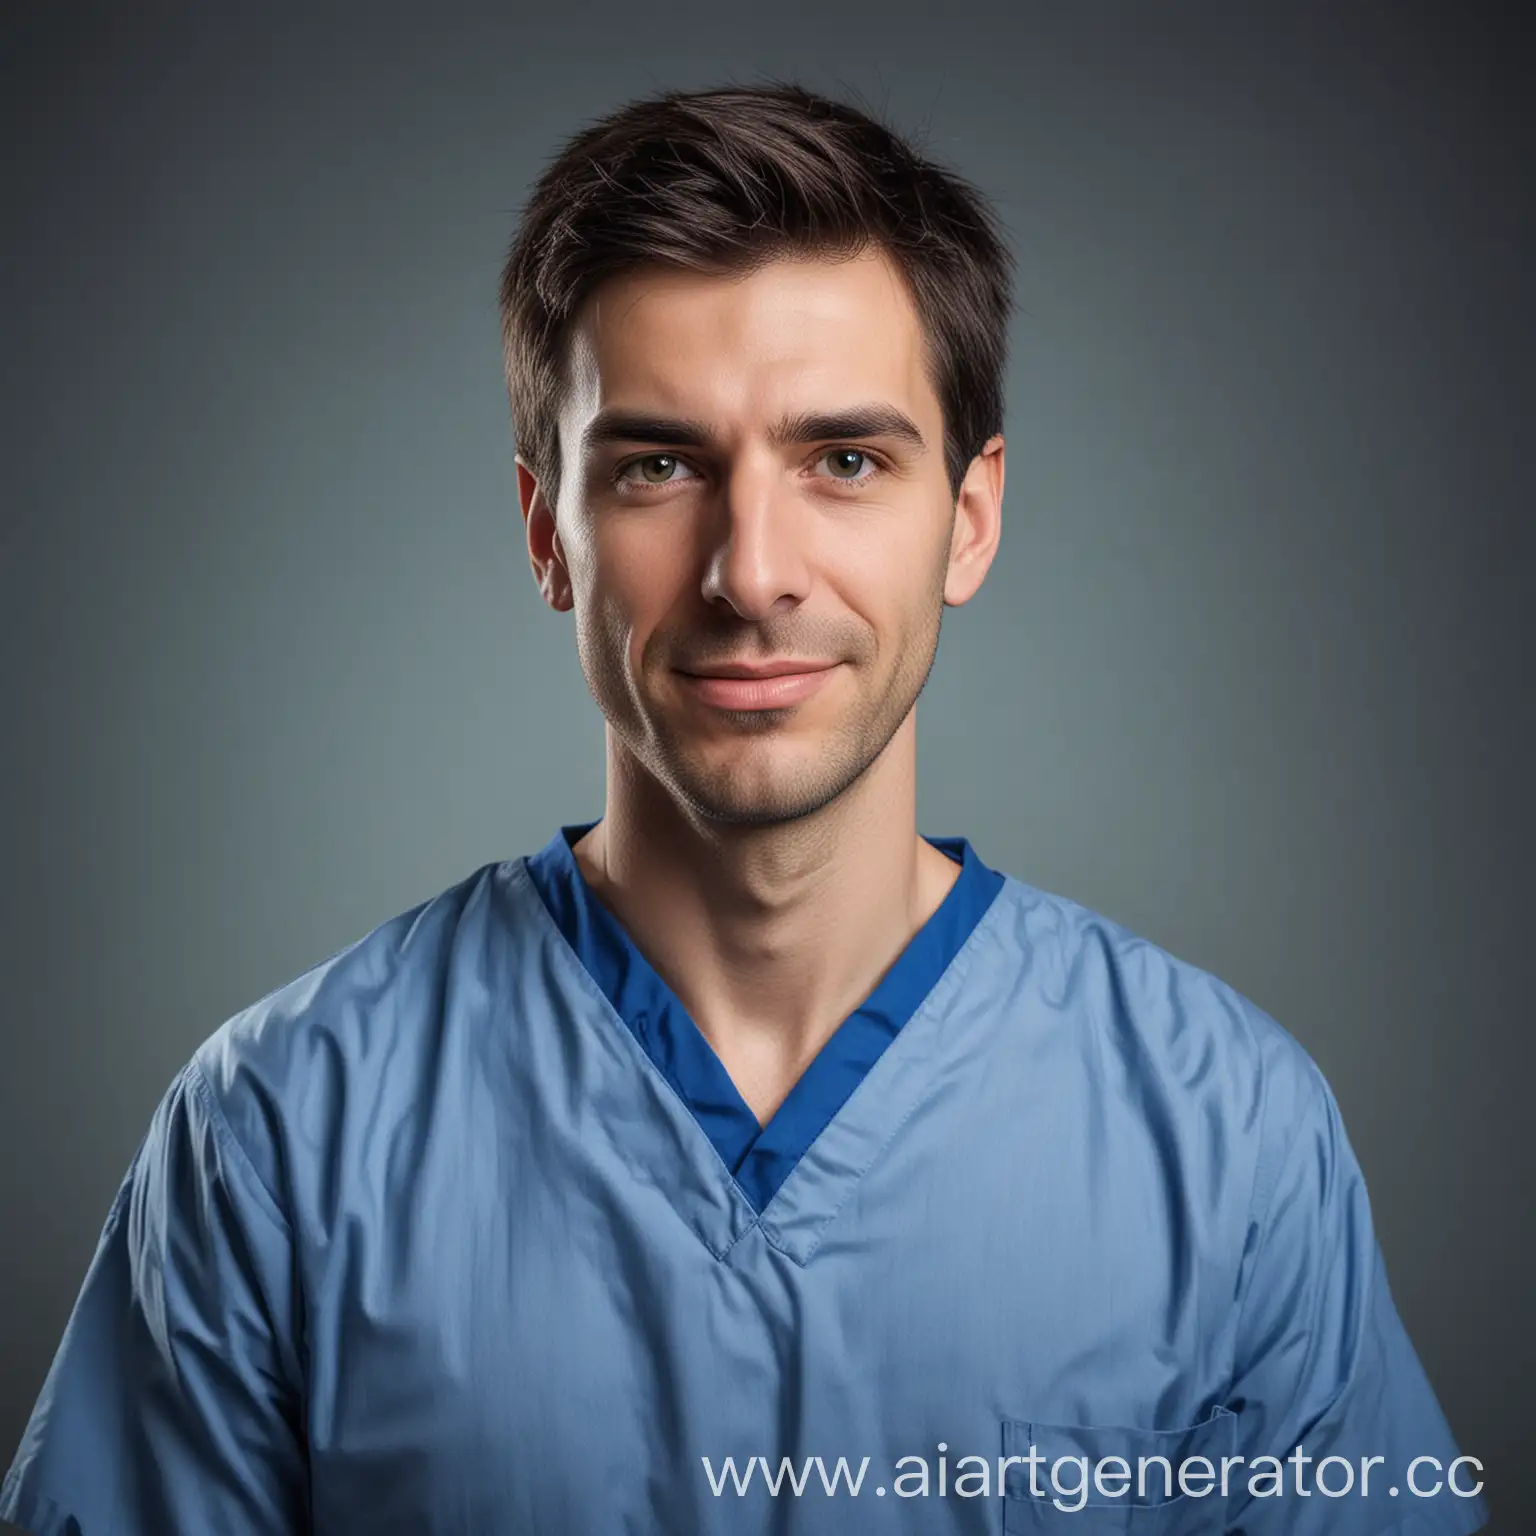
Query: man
[{"x": 743, "y": 1160}]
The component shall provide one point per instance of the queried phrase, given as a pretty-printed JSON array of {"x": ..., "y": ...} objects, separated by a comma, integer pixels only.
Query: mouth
[{"x": 759, "y": 685}]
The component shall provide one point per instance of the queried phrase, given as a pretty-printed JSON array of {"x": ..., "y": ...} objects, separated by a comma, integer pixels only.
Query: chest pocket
[{"x": 1100, "y": 1480}]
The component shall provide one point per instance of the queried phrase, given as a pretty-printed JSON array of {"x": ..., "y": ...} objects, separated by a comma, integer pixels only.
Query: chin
[
  {"x": 738, "y": 812},
  {"x": 740, "y": 797}
]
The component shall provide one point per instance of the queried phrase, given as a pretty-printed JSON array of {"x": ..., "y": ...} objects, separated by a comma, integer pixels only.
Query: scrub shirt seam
[
  {"x": 294, "y": 1348},
  {"x": 1257, "y": 1221},
  {"x": 752, "y": 1226},
  {"x": 588, "y": 983},
  {"x": 226, "y": 1134},
  {"x": 1315, "y": 1076},
  {"x": 956, "y": 973}
]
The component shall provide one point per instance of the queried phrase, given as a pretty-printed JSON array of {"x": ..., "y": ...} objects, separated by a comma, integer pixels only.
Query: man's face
[{"x": 752, "y": 479}]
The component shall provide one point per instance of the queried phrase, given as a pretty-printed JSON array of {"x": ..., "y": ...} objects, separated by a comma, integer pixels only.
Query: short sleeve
[
  {"x": 172, "y": 1406},
  {"x": 1323, "y": 1362}
]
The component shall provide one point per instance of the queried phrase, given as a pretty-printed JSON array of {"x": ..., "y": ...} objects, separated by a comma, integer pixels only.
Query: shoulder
[
  {"x": 1159, "y": 1024},
  {"x": 343, "y": 1046}
]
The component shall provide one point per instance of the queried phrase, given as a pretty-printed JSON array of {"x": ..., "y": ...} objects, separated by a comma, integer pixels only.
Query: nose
[{"x": 757, "y": 562}]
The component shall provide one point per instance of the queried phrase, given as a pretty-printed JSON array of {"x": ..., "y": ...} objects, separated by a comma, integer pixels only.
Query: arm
[
  {"x": 174, "y": 1405},
  {"x": 1322, "y": 1359}
]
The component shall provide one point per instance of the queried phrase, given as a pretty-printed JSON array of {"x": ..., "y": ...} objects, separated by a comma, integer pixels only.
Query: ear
[
  {"x": 545, "y": 553},
  {"x": 978, "y": 524}
]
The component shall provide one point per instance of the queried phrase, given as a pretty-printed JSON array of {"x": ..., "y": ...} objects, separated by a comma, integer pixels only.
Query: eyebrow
[{"x": 873, "y": 420}]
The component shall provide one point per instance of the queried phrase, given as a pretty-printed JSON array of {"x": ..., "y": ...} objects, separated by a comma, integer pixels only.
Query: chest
[{"x": 536, "y": 1322}]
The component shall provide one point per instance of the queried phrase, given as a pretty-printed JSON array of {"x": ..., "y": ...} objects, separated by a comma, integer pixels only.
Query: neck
[{"x": 770, "y": 935}]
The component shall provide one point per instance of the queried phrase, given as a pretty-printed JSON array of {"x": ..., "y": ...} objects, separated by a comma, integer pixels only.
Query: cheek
[
  {"x": 894, "y": 576},
  {"x": 624, "y": 589}
]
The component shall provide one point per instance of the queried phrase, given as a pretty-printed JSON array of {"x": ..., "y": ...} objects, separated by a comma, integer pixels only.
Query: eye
[
  {"x": 654, "y": 469},
  {"x": 845, "y": 464}
]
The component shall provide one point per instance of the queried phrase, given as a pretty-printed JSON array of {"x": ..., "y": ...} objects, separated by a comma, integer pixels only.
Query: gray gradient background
[{"x": 1250, "y": 674}]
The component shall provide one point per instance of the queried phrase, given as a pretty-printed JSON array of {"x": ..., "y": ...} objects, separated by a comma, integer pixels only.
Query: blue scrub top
[{"x": 467, "y": 1230}]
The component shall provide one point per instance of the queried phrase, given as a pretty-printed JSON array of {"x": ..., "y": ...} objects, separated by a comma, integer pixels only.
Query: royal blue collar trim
[{"x": 759, "y": 1157}]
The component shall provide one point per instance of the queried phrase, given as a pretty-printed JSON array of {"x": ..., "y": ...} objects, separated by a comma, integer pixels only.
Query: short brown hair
[{"x": 725, "y": 180}]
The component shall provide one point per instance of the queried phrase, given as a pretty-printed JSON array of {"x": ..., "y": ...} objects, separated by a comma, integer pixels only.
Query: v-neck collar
[{"x": 760, "y": 1158}]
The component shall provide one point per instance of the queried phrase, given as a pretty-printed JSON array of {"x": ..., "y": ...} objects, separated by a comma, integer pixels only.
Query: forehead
[{"x": 733, "y": 348}]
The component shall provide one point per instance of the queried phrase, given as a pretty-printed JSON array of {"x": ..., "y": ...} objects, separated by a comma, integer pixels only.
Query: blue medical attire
[{"x": 467, "y": 1230}]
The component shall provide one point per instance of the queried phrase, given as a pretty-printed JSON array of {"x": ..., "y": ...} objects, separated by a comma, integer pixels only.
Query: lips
[
  {"x": 780, "y": 668},
  {"x": 776, "y": 684}
]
